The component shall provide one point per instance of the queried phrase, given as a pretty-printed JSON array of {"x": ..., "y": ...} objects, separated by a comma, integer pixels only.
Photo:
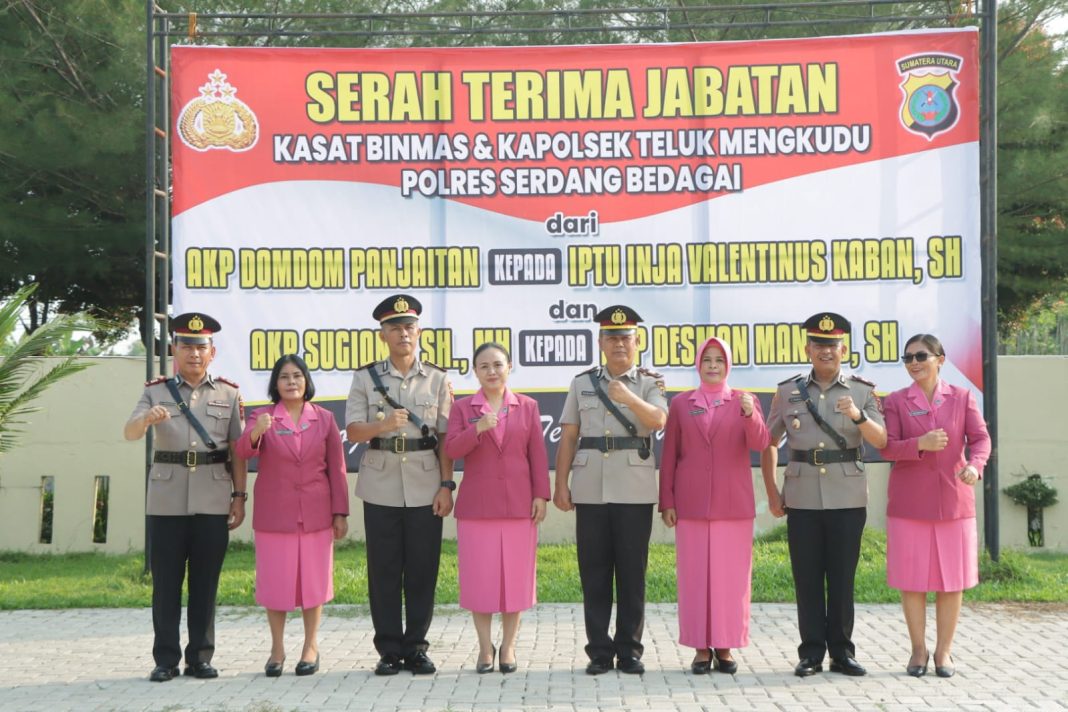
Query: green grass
[{"x": 99, "y": 580}]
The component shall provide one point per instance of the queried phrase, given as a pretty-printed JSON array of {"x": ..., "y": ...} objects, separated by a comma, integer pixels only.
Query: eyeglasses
[{"x": 920, "y": 356}]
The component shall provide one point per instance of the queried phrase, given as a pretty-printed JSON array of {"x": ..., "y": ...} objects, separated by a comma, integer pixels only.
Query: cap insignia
[
  {"x": 618, "y": 317},
  {"x": 196, "y": 324},
  {"x": 401, "y": 305},
  {"x": 826, "y": 324}
]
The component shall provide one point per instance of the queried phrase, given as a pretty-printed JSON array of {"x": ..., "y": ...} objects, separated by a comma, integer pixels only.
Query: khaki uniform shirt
[
  {"x": 619, "y": 476},
  {"x": 177, "y": 490},
  {"x": 410, "y": 479},
  {"x": 839, "y": 485}
]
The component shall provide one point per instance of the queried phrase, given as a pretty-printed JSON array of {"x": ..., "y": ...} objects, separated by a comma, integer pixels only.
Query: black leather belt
[
  {"x": 608, "y": 443},
  {"x": 819, "y": 456},
  {"x": 190, "y": 458},
  {"x": 404, "y": 444}
]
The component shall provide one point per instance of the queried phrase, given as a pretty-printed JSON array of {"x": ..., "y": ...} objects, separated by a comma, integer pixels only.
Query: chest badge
[{"x": 796, "y": 425}]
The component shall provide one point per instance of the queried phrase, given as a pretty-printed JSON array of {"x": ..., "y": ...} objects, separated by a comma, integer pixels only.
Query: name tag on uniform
[
  {"x": 473, "y": 420},
  {"x": 219, "y": 404},
  {"x": 698, "y": 411},
  {"x": 919, "y": 412},
  {"x": 796, "y": 399},
  {"x": 589, "y": 393},
  {"x": 284, "y": 431}
]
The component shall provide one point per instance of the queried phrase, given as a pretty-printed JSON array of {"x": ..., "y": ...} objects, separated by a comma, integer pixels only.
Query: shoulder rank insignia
[
  {"x": 227, "y": 381},
  {"x": 589, "y": 370},
  {"x": 791, "y": 379},
  {"x": 434, "y": 366},
  {"x": 655, "y": 375},
  {"x": 155, "y": 381},
  {"x": 865, "y": 381},
  {"x": 367, "y": 366}
]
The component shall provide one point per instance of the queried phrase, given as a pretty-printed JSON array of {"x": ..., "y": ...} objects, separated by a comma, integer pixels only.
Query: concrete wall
[{"x": 77, "y": 435}]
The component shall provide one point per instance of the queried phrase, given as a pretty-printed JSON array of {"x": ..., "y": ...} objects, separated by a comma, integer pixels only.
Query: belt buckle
[
  {"x": 400, "y": 445},
  {"x": 191, "y": 459},
  {"x": 609, "y": 443},
  {"x": 817, "y": 453}
]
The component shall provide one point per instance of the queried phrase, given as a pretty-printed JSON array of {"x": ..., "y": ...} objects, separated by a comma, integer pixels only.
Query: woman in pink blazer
[
  {"x": 931, "y": 539},
  {"x": 500, "y": 504},
  {"x": 300, "y": 506},
  {"x": 706, "y": 493}
]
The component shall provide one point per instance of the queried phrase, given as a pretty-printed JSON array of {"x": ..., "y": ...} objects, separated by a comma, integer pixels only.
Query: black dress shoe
[
  {"x": 483, "y": 668},
  {"x": 946, "y": 670},
  {"x": 918, "y": 670},
  {"x": 388, "y": 665},
  {"x": 808, "y": 666},
  {"x": 162, "y": 673},
  {"x": 848, "y": 666},
  {"x": 508, "y": 667},
  {"x": 702, "y": 667},
  {"x": 201, "y": 671},
  {"x": 273, "y": 668},
  {"x": 630, "y": 665},
  {"x": 419, "y": 664},
  {"x": 305, "y": 668},
  {"x": 727, "y": 667},
  {"x": 599, "y": 666}
]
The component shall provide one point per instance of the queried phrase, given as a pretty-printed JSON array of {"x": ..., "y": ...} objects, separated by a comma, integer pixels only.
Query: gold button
[
  {"x": 823, "y": 470},
  {"x": 193, "y": 443},
  {"x": 822, "y": 445},
  {"x": 404, "y": 458},
  {"x": 606, "y": 455},
  {"x": 404, "y": 386},
  {"x": 194, "y": 396},
  {"x": 608, "y": 432},
  {"x": 822, "y": 396}
]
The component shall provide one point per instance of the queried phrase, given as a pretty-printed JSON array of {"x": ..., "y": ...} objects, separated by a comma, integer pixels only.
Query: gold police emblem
[
  {"x": 826, "y": 324},
  {"x": 401, "y": 305},
  {"x": 196, "y": 324},
  {"x": 618, "y": 317},
  {"x": 217, "y": 118}
]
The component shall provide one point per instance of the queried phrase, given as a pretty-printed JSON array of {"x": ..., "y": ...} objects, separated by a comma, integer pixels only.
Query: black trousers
[
  {"x": 199, "y": 540},
  {"x": 613, "y": 544},
  {"x": 403, "y": 553},
  {"x": 824, "y": 549}
]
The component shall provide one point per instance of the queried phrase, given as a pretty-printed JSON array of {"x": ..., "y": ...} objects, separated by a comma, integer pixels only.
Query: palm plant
[{"x": 21, "y": 378}]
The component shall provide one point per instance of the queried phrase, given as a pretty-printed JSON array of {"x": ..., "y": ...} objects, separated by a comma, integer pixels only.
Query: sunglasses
[{"x": 920, "y": 356}]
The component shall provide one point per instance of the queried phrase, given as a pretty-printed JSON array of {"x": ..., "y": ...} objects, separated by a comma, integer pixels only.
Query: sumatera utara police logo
[
  {"x": 217, "y": 118},
  {"x": 929, "y": 107}
]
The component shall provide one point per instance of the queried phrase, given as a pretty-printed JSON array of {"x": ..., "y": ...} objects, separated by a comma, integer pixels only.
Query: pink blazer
[
  {"x": 499, "y": 482},
  {"x": 705, "y": 473},
  {"x": 292, "y": 486},
  {"x": 924, "y": 485}
]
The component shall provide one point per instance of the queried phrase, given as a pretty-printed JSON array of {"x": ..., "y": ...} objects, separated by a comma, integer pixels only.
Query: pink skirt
[
  {"x": 497, "y": 559},
  {"x": 294, "y": 570},
  {"x": 714, "y": 561},
  {"x": 931, "y": 555}
]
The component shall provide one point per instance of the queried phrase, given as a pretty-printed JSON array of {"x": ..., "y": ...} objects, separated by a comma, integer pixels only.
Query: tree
[
  {"x": 21, "y": 378},
  {"x": 72, "y": 157}
]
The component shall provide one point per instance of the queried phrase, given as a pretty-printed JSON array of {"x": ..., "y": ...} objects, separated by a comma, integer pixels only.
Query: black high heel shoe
[
  {"x": 946, "y": 670},
  {"x": 304, "y": 668},
  {"x": 728, "y": 667},
  {"x": 483, "y": 668},
  {"x": 509, "y": 667},
  {"x": 702, "y": 667},
  {"x": 274, "y": 669},
  {"x": 919, "y": 670}
]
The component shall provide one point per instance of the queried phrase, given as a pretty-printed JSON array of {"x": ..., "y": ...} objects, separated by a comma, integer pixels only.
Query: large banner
[{"x": 728, "y": 189}]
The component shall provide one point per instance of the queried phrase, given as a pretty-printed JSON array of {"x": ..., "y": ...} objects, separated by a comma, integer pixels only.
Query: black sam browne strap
[
  {"x": 172, "y": 386},
  {"x": 381, "y": 388},
  {"x": 595, "y": 379},
  {"x": 835, "y": 435}
]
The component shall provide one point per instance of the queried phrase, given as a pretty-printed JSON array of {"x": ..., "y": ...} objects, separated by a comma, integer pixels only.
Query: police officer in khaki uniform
[
  {"x": 400, "y": 407},
  {"x": 825, "y": 416},
  {"x": 196, "y": 493},
  {"x": 605, "y": 449}
]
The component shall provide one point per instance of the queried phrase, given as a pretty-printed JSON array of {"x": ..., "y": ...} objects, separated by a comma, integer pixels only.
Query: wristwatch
[
  {"x": 243, "y": 495},
  {"x": 862, "y": 419},
  {"x": 449, "y": 485}
]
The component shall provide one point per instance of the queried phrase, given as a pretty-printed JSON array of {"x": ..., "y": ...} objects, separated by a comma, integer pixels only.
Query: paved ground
[{"x": 1009, "y": 657}]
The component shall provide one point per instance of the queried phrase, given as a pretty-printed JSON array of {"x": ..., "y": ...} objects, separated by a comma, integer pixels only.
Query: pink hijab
[{"x": 717, "y": 391}]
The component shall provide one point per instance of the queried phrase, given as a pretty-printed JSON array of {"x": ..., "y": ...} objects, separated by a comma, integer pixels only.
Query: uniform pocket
[
  {"x": 161, "y": 474},
  {"x": 581, "y": 458},
  {"x": 373, "y": 460}
]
